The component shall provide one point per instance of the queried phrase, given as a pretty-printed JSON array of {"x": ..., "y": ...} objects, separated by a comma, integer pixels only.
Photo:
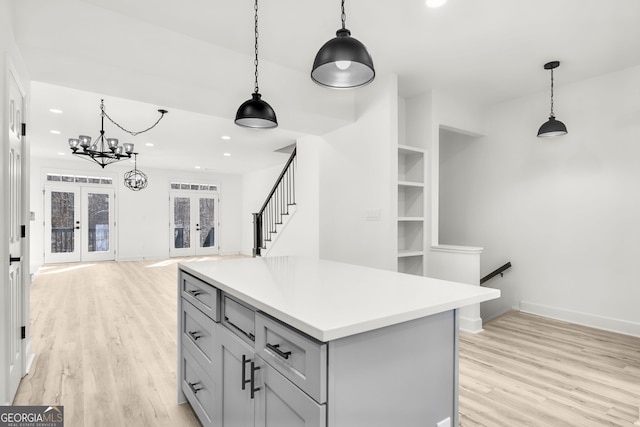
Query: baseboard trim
[
  {"x": 599, "y": 322},
  {"x": 471, "y": 325}
]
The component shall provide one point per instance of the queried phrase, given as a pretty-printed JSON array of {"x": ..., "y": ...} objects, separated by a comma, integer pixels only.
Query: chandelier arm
[{"x": 133, "y": 133}]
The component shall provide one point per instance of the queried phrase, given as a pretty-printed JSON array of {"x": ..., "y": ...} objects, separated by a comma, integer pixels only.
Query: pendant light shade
[
  {"x": 552, "y": 127},
  {"x": 256, "y": 113},
  {"x": 343, "y": 62}
]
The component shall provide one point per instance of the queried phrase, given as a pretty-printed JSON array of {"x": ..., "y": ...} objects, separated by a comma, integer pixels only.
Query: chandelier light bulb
[{"x": 343, "y": 65}]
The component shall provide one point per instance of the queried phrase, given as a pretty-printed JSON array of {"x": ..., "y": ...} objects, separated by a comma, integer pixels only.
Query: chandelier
[
  {"x": 105, "y": 151},
  {"x": 135, "y": 179}
]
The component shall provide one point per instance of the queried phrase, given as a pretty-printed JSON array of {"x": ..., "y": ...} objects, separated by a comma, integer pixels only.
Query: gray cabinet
[
  {"x": 242, "y": 367},
  {"x": 224, "y": 379}
]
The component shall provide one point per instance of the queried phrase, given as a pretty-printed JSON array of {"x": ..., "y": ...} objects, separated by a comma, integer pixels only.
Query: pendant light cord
[
  {"x": 255, "y": 62},
  {"x": 552, "y": 93},
  {"x": 343, "y": 16},
  {"x": 133, "y": 133}
]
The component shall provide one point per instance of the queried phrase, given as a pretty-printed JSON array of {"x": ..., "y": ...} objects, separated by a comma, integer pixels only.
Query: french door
[
  {"x": 194, "y": 223},
  {"x": 79, "y": 224}
]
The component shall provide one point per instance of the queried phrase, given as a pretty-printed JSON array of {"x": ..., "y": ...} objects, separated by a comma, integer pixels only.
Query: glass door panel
[
  {"x": 62, "y": 225},
  {"x": 97, "y": 213},
  {"x": 206, "y": 223}
]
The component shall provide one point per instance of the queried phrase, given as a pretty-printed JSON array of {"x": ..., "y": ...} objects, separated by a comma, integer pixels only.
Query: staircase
[{"x": 276, "y": 207}]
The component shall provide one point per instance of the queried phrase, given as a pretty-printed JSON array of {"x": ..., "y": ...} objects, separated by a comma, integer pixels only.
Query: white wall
[
  {"x": 143, "y": 216},
  {"x": 564, "y": 211},
  {"x": 301, "y": 233},
  {"x": 356, "y": 180}
]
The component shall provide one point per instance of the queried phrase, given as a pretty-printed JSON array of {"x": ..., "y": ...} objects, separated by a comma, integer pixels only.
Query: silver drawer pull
[
  {"x": 194, "y": 387},
  {"x": 194, "y": 293},
  {"x": 194, "y": 335},
  {"x": 276, "y": 349}
]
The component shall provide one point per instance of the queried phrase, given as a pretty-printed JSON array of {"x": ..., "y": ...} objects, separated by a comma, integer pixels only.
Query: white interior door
[
  {"x": 194, "y": 223},
  {"x": 79, "y": 224},
  {"x": 16, "y": 269}
]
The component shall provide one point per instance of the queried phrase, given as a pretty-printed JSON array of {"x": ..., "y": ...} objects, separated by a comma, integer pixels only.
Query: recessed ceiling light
[
  {"x": 197, "y": 167},
  {"x": 60, "y": 154},
  {"x": 227, "y": 154},
  {"x": 149, "y": 144},
  {"x": 55, "y": 111},
  {"x": 435, "y": 3},
  {"x": 55, "y": 132},
  {"x": 226, "y": 137}
]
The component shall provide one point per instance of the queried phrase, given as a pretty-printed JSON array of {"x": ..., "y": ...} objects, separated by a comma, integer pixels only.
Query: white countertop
[{"x": 329, "y": 300}]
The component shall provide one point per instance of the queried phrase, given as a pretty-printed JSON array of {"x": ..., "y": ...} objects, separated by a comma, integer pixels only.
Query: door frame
[
  {"x": 195, "y": 249},
  {"x": 80, "y": 253}
]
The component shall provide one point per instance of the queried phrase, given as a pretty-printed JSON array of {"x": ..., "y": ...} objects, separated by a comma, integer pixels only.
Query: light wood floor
[
  {"x": 105, "y": 341},
  {"x": 526, "y": 370}
]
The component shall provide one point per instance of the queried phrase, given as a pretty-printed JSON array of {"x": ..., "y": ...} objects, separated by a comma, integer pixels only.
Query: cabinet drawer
[
  {"x": 200, "y": 390},
  {"x": 299, "y": 358},
  {"x": 202, "y": 295},
  {"x": 239, "y": 318},
  {"x": 198, "y": 335}
]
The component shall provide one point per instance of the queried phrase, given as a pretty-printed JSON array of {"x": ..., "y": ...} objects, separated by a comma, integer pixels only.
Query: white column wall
[{"x": 357, "y": 217}]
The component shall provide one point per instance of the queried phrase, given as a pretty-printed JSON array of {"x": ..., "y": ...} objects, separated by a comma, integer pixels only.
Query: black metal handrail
[
  {"x": 495, "y": 272},
  {"x": 281, "y": 196}
]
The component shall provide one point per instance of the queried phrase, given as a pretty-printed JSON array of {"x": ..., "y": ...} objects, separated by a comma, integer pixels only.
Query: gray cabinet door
[
  {"x": 280, "y": 403},
  {"x": 237, "y": 404}
]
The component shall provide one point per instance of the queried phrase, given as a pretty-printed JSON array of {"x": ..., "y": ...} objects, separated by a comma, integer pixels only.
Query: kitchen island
[{"x": 290, "y": 341}]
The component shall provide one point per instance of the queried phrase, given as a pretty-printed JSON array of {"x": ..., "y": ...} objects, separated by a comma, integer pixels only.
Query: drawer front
[
  {"x": 198, "y": 335},
  {"x": 201, "y": 391},
  {"x": 200, "y": 294},
  {"x": 299, "y": 358},
  {"x": 239, "y": 318}
]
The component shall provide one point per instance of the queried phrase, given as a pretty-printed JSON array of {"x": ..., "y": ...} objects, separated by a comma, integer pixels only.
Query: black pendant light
[
  {"x": 343, "y": 62},
  {"x": 552, "y": 127},
  {"x": 256, "y": 113}
]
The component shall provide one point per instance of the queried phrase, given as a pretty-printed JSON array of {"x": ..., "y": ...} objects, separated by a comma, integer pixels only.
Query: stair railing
[
  {"x": 276, "y": 205},
  {"x": 494, "y": 273}
]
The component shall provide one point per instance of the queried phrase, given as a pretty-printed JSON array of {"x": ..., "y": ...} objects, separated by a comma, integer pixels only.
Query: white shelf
[
  {"x": 411, "y": 149},
  {"x": 409, "y": 253},
  {"x": 410, "y": 218},
  {"x": 410, "y": 184}
]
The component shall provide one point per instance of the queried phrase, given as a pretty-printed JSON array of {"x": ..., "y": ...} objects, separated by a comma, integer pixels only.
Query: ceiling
[{"x": 195, "y": 58}]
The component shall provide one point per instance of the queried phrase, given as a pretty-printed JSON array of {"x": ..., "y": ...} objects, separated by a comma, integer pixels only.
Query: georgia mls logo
[{"x": 31, "y": 416}]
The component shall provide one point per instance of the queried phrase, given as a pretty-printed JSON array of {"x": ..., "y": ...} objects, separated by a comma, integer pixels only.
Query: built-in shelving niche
[{"x": 411, "y": 182}]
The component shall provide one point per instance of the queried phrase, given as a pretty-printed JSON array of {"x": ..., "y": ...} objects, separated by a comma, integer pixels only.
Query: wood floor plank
[{"x": 105, "y": 339}]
